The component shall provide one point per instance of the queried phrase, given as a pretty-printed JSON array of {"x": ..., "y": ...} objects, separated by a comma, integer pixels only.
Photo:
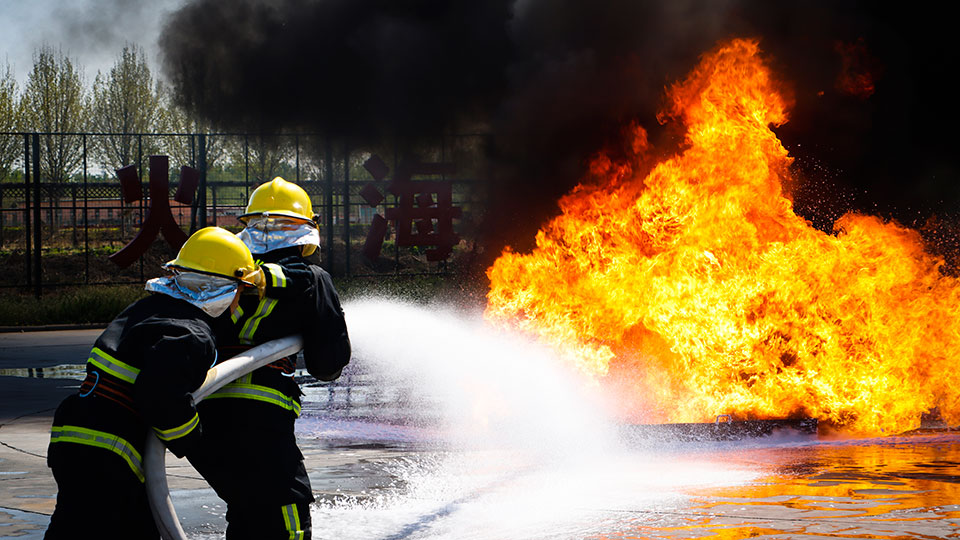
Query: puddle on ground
[
  {"x": 63, "y": 371},
  {"x": 889, "y": 488}
]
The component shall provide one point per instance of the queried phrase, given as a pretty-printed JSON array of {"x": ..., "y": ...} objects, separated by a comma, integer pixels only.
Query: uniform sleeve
[
  {"x": 326, "y": 346},
  {"x": 171, "y": 369},
  {"x": 289, "y": 280}
]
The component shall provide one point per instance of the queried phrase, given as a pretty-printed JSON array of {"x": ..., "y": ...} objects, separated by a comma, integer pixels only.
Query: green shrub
[
  {"x": 99, "y": 304},
  {"x": 84, "y": 305}
]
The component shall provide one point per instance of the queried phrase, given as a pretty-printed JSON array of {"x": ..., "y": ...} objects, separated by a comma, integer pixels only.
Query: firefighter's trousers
[{"x": 97, "y": 496}]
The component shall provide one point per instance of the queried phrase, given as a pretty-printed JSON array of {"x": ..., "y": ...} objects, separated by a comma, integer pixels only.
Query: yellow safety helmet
[
  {"x": 218, "y": 252},
  {"x": 281, "y": 198}
]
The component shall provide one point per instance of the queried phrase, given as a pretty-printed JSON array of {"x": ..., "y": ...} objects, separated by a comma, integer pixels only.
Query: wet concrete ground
[
  {"x": 898, "y": 487},
  {"x": 385, "y": 463}
]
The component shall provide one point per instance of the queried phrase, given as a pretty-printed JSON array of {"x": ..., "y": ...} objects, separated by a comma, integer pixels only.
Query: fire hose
[{"x": 164, "y": 514}]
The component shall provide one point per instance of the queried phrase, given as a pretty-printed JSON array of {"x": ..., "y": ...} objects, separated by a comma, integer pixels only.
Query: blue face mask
[
  {"x": 212, "y": 294},
  {"x": 267, "y": 233}
]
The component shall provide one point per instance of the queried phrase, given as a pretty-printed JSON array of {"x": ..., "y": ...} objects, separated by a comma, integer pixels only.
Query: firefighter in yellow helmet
[
  {"x": 139, "y": 376},
  {"x": 249, "y": 452}
]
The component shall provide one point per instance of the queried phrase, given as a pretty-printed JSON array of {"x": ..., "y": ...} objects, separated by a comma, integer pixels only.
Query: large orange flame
[{"x": 692, "y": 287}]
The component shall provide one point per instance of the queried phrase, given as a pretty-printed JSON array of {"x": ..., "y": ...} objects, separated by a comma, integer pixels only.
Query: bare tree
[
  {"x": 11, "y": 146},
  {"x": 183, "y": 149},
  {"x": 263, "y": 154},
  {"x": 54, "y": 104},
  {"x": 126, "y": 103},
  {"x": 314, "y": 156}
]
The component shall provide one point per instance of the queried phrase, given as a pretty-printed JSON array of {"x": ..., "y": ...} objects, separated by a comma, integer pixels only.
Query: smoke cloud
[
  {"x": 347, "y": 67},
  {"x": 554, "y": 81}
]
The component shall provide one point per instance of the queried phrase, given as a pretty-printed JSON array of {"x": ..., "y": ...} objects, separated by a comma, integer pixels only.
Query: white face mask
[
  {"x": 265, "y": 233},
  {"x": 212, "y": 294}
]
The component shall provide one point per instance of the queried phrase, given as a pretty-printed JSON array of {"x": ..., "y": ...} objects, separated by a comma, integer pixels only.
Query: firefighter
[
  {"x": 139, "y": 376},
  {"x": 249, "y": 453}
]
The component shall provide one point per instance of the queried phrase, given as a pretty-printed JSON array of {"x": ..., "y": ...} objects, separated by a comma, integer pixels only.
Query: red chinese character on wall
[
  {"x": 424, "y": 213},
  {"x": 159, "y": 216}
]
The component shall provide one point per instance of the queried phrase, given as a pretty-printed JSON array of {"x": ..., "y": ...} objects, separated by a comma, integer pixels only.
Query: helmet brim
[
  {"x": 279, "y": 213},
  {"x": 247, "y": 279}
]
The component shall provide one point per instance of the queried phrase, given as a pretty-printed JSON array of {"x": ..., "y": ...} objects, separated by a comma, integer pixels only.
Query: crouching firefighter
[
  {"x": 139, "y": 377},
  {"x": 249, "y": 451}
]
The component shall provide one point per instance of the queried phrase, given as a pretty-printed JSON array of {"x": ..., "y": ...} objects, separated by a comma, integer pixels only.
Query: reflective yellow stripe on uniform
[
  {"x": 292, "y": 521},
  {"x": 100, "y": 439},
  {"x": 111, "y": 365},
  {"x": 236, "y": 315},
  {"x": 277, "y": 277},
  {"x": 258, "y": 393},
  {"x": 179, "y": 431},
  {"x": 250, "y": 327}
]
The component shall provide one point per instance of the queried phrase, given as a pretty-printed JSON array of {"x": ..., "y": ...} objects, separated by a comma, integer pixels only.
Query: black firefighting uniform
[
  {"x": 249, "y": 452},
  {"x": 139, "y": 376}
]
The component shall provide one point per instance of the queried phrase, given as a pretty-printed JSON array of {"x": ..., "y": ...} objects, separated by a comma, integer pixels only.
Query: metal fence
[{"x": 61, "y": 232}]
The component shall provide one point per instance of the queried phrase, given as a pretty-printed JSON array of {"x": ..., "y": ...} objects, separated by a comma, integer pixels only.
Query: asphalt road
[
  {"x": 29, "y": 382},
  {"x": 45, "y": 349}
]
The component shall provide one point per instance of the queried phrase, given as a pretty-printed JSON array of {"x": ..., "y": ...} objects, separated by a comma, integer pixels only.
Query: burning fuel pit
[{"x": 688, "y": 287}]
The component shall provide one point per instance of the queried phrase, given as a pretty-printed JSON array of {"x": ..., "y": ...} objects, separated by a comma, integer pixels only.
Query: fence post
[
  {"x": 86, "y": 217},
  {"x": 27, "y": 228},
  {"x": 203, "y": 181},
  {"x": 396, "y": 203},
  {"x": 141, "y": 202},
  {"x": 246, "y": 167},
  {"x": 196, "y": 200},
  {"x": 328, "y": 204},
  {"x": 73, "y": 211},
  {"x": 37, "y": 270},
  {"x": 346, "y": 206}
]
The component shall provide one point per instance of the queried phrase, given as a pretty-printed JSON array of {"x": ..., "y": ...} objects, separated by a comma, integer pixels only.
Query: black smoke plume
[{"x": 344, "y": 67}]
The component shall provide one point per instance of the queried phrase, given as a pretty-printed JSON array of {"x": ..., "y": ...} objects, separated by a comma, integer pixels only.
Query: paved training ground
[
  {"x": 378, "y": 476},
  {"x": 27, "y": 403}
]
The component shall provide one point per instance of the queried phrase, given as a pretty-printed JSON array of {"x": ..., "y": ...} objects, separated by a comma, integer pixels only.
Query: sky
[{"x": 91, "y": 32}]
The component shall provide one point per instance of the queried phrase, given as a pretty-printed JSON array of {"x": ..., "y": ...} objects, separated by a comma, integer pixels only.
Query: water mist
[{"x": 496, "y": 438}]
